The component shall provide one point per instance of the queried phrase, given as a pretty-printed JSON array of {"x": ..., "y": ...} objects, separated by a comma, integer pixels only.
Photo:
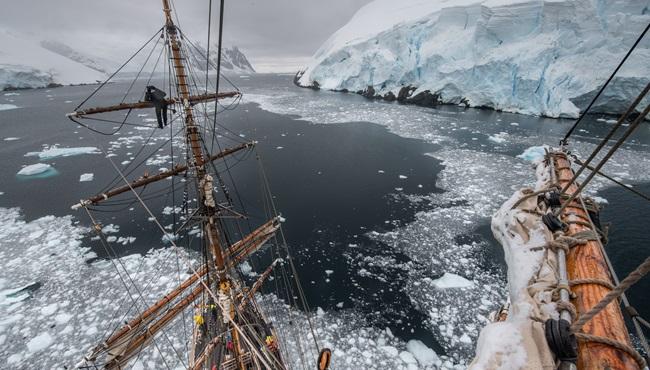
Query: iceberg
[
  {"x": 26, "y": 63},
  {"x": 40, "y": 170},
  {"x": 449, "y": 280},
  {"x": 54, "y": 152},
  {"x": 526, "y": 56},
  {"x": 534, "y": 153},
  {"x": 7, "y": 106}
]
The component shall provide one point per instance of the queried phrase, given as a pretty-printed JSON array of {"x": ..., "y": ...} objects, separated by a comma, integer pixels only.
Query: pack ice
[{"x": 528, "y": 56}]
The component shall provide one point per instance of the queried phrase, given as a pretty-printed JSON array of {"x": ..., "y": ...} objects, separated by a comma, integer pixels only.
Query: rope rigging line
[
  {"x": 607, "y": 156},
  {"x": 625, "y": 186},
  {"x": 119, "y": 69},
  {"x": 610, "y": 134},
  {"x": 611, "y": 77},
  {"x": 195, "y": 272},
  {"x": 108, "y": 250},
  {"x": 565, "y": 243}
]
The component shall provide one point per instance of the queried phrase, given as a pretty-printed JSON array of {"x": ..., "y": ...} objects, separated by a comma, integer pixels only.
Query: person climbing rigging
[{"x": 157, "y": 97}]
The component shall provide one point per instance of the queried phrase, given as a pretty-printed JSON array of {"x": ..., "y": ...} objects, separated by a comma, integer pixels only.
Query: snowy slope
[
  {"x": 528, "y": 56},
  {"x": 25, "y": 63},
  {"x": 232, "y": 59}
]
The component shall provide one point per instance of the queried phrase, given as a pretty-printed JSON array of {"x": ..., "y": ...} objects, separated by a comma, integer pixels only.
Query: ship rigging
[{"x": 229, "y": 328}]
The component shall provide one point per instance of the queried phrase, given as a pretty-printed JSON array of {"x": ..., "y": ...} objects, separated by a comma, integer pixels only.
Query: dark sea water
[{"x": 336, "y": 178}]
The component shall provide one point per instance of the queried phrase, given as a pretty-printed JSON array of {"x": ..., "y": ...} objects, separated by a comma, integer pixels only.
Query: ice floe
[
  {"x": 39, "y": 170},
  {"x": 84, "y": 177},
  {"x": 449, "y": 280},
  {"x": 7, "y": 106},
  {"x": 55, "y": 151},
  {"x": 534, "y": 153}
]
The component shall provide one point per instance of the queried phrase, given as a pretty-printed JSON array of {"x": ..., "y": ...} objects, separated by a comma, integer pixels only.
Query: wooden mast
[
  {"x": 588, "y": 262},
  {"x": 193, "y": 138}
]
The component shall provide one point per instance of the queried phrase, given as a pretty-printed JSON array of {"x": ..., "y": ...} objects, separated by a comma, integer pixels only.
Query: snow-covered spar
[
  {"x": 230, "y": 330},
  {"x": 561, "y": 283}
]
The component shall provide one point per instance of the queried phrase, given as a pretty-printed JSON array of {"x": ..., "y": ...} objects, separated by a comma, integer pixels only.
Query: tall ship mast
[{"x": 230, "y": 330}]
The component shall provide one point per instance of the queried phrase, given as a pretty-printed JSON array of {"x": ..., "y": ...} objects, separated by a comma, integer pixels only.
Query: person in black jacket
[{"x": 157, "y": 97}]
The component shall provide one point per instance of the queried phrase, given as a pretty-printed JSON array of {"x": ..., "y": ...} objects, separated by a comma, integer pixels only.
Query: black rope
[
  {"x": 638, "y": 40},
  {"x": 119, "y": 69}
]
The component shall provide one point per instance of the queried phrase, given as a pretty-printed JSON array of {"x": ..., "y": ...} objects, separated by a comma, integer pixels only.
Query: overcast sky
[{"x": 274, "y": 34}]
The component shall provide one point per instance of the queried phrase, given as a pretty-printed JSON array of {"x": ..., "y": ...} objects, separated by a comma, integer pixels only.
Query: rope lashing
[
  {"x": 529, "y": 194},
  {"x": 615, "y": 293},
  {"x": 630, "y": 280},
  {"x": 614, "y": 343}
]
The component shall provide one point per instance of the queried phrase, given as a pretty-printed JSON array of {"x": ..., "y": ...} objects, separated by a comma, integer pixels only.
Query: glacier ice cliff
[
  {"x": 26, "y": 63},
  {"x": 541, "y": 57}
]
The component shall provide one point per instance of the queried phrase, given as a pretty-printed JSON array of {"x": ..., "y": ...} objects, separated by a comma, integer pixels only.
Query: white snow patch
[
  {"x": 86, "y": 177},
  {"x": 40, "y": 342},
  {"x": 449, "y": 280},
  {"x": 54, "y": 152},
  {"x": 7, "y": 106}
]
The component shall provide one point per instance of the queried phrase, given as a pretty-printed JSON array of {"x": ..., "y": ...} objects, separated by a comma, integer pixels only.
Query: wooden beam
[
  {"x": 588, "y": 262},
  {"x": 146, "y": 180},
  {"x": 256, "y": 286},
  {"x": 192, "y": 100}
]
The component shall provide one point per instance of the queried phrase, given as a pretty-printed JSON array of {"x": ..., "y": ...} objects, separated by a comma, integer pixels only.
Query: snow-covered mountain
[
  {"x": 545, "y": 57},
  {"x": 98, "y": 64},
  {"x": 232, "y": 59},
  {"x": 27, "y": 63}
]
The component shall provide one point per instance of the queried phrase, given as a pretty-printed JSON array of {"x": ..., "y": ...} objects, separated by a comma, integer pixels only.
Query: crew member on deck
[{"x": 157, "y": 97}]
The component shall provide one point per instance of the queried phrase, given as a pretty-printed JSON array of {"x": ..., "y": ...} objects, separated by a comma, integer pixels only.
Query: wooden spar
[
  {"x": 588, "y": 262},
  {"x": 253, "y": 241},
  {"x": 249, "y": 295},
  {"x": 250, "y": 243},
  {"x": 192, "y": 99},
  {"x": 146, "y": 180},
  {"x": 135, "y": 344},
  {"x": 153, "y": 309},
  {"x": 200, "y": 360}
]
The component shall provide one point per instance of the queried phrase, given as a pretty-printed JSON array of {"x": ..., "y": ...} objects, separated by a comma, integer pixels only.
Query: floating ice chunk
[
  {"x": 49, "y": 309},
  {"x": 247, "y": 269},
  {"x": 86, "y": 177},
  {"x": 449, "y": 280},
  {"x": 514, "y": 123},
  {"x": 169, "y": 237},
  {"x": 11, "y": 138},
  {"x": 498, "y": 138},
  {"x": 599, "y": 200},
  {"x": 62, "y": 318},
  {"x": 320, "y": 312},
  {"x": 340, "y": 305},
  {"x": 329, "y": 272},
  {"x": 408, "y": 357},
  {"x": 425, "y": 355},
  {"x": 7, "y": 106},
  {"x": 279, "y": 147},
  {"x": 534, "y": 153},
  {"x": 10, "y": 296},
  {"x": 380, "y": 171},
  {"x": 110, "y": 228},
  {"x": 40, "y": 169},
  {"x": 403, "y": 177},
  {"x": 12, "y": 94},
  {"x": 54, "y": 152},
  {"x": 40, "y": 342}
]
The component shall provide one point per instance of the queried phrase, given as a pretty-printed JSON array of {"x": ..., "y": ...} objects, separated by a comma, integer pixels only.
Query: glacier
[
  {"x": 26, "y": 63},
  {"x": 539, "y": 57}
]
